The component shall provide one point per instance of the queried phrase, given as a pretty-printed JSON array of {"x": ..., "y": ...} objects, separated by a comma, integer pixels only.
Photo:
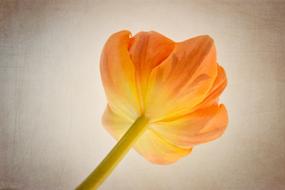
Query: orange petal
[
  {"x": 198, "y": 127},
  {"x": 183, "y": 80},
  {"x": 147, "y": 50},
  {"x": 118, "y": 75},
  {"x": 216, "y": 90},
  {"x": 214, "y": 128}
]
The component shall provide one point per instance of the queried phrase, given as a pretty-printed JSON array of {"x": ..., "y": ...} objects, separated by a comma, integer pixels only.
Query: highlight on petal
[{"x": 117, "y": 125}]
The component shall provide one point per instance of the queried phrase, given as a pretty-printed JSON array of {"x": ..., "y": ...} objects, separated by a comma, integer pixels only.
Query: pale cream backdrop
[{"x": 52, "y": 99}]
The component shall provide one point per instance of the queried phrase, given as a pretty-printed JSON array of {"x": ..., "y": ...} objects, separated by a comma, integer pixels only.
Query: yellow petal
[
  {"x": 116, "y": 124},
  {"x": 118, "y": 75},
  {"x": 151, "y": 145},
  {"x": 158, "y": 150}
]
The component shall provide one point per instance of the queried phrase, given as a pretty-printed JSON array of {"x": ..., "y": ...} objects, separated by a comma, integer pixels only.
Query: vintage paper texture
[{"x": 52, "y": 99}]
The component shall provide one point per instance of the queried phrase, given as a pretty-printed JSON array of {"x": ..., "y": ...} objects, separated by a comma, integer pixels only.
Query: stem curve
[{"x": 105, "y": 168}]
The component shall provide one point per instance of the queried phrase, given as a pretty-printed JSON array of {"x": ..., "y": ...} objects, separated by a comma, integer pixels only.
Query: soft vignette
[{"x": 52, "y": 98}]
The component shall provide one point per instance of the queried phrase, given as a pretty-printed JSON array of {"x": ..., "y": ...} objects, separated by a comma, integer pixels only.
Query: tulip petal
[
  {"x": 183, "y": 80},
  {"x": 158, "y": 150},
  {"x": 195, "y": 128},
  {"x": 216, "y": 90},
  {"x": 118, "y": 75},
  {"x": 115, "y": 123},
  {"x": 147, "y": 50}
]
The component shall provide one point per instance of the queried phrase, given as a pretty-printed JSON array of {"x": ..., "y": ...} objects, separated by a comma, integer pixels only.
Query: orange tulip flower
[{"x": 170, "y": 89}]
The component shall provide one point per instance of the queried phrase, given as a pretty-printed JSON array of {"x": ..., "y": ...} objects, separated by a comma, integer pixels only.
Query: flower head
[{"x": 176, "y": 85}]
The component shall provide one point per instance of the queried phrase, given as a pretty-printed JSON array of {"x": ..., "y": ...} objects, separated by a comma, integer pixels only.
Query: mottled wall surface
[{"x": 51, "y": 97}]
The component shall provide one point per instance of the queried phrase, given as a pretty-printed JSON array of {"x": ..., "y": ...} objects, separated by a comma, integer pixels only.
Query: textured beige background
[{"x": 51, "y": 97}]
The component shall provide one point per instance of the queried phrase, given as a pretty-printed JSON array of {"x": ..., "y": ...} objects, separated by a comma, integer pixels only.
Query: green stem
[{"x": 96, "y": 178}]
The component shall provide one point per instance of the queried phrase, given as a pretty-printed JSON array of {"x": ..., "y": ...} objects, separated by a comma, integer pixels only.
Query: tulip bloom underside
[{"x": 176, "y": 85}]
